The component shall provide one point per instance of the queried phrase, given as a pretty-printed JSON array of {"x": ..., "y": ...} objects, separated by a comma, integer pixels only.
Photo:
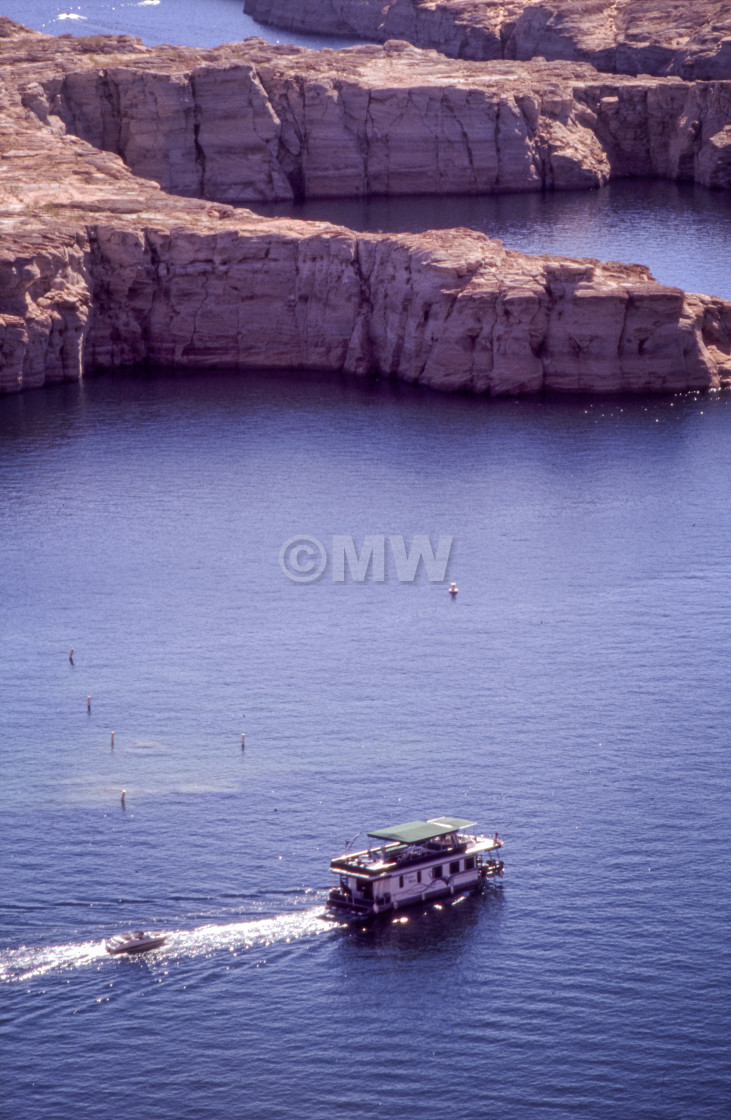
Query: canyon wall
[
  {"x": 451, "y": 310},
  {"x": 45, "y": 300},
  {"x": 252, "y": 122},
  {"x": 101, "y": 269},
  {"x": 690, "y": 38}
]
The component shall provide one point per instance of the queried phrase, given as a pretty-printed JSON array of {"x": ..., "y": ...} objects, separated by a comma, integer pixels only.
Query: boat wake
[{"x": 28, "y": 963}]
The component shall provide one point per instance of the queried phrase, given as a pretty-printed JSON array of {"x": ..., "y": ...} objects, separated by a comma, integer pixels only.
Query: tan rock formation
[
  {"x": 250, "y": 122},
  {"x": 690, "y": 38},
  {"x": 100, "y": 269},
  {"x": 453, "y": 310}
]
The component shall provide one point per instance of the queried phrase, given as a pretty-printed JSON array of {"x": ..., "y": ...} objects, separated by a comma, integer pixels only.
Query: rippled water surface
[
  {"x": 575, "y": 697},
  {"x": 190, "y": 23}
]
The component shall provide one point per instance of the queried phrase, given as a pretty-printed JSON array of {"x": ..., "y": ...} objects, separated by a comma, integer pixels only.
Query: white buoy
[
  {"x": 112, "y": 742},
  {"x": 453, "y": 589}
]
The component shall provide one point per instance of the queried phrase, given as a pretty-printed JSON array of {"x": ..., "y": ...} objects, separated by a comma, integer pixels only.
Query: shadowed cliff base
[
  {"x": 102, "y": 269},
  {"x": 690, "y": 38}
]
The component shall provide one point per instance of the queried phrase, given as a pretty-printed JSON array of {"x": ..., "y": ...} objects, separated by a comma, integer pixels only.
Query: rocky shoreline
[
  {"x": 661, "y": 37},
  {"x": 102, "y": 268},
  {"x": 252, "y": 122}
]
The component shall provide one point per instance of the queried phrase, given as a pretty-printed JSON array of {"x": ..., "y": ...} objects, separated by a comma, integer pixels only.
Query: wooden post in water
[{"x": 111, "y": 745}]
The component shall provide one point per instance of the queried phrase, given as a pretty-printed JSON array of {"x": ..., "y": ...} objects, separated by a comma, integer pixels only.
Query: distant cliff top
[{"x": 689, "y": 38}]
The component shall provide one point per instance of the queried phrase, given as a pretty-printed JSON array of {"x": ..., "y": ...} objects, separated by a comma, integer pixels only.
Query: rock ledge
[
  {"x": 101, "y": 268},
  {"x": 690, "y": 38}
]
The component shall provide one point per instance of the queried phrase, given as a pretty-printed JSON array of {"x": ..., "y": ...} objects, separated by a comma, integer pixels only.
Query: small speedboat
[{"x": 137, "y": 941}]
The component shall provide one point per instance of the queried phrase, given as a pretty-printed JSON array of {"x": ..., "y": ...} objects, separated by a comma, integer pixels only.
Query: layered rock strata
[
  {"x": 453, "y": 310},
  {"x": 251, "y": 122},
  {"x": 101, "y": 269},
  {"x": 690, "y": 38}
]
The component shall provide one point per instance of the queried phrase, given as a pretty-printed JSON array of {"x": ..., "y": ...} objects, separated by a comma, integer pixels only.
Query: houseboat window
[
  {"x": 418, "y": 876},
  {"x": 469, "y": 863},
  {"x": 368, "y": 890},
  {"x": 436, "y": 872},
  {"x": 454, "y": 867},
  {"x": 401, "y": 880}
]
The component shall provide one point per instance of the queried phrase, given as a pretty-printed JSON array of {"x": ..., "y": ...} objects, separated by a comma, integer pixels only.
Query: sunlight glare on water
[{"x": 27, "y": 964}]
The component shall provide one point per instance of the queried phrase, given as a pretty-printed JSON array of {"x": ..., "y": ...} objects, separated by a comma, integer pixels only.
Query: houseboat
[{"x": 413, "y": 863}]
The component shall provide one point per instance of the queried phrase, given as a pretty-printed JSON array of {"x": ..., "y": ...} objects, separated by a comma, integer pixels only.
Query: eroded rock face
[
  {"x": 251, "y": 122},
  {"x": 690, "y": 38},
  {"x": 44, "y": 309},
  {"x": 453, "y": 310},
  {"x": 209, "y": 133},
  {"x": 101, "y": 269}
]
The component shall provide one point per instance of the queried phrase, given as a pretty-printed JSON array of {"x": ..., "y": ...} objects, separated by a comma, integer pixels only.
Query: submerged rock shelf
[{"x": 101, "y": 268}]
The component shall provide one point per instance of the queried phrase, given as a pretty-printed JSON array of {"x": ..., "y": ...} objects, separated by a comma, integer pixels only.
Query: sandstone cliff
[
  {"x": 252, "y": 122},
  {"x": 100, "y": 268},
  {"x": 690, "y": 38},
  {"x": 452, "y": 310}
]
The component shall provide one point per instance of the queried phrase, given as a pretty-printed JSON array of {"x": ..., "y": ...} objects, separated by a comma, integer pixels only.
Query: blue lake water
[
  {"x": 575, "y": 697},
  {"x": 680, "y": 231},
  {"x": 190, "y": 23}
]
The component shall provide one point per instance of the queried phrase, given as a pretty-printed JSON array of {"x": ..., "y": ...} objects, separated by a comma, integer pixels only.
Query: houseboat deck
[{"x": 413, "y": 862}]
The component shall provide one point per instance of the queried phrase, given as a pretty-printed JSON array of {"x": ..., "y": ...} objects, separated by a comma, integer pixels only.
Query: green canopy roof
[
  {"x": 414, "y": 832},
  {"x": 453, "y": 822}
]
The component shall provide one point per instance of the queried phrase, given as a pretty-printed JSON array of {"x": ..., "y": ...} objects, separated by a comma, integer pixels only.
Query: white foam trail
[
  {"x": 29, "y": 963},
  {"x": 282, "y": 929}
]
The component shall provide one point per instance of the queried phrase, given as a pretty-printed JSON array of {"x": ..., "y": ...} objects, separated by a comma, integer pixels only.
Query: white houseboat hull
[{"x": 407, "y": 873}]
